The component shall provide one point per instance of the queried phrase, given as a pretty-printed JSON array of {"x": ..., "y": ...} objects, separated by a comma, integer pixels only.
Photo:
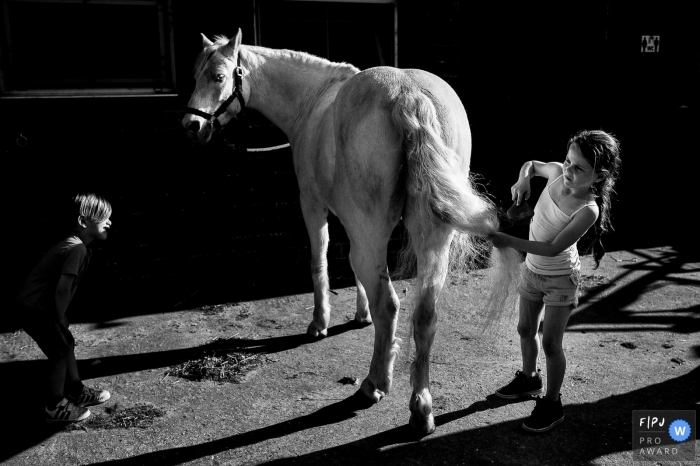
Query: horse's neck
[{"x": 284, "y": 86}]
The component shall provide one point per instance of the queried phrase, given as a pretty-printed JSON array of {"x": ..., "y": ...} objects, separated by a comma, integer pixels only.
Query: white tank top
[{"x": 548, "y": 222}]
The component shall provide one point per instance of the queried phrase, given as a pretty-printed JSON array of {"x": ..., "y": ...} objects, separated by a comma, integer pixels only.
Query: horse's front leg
[{"x": 316, "y": 219}]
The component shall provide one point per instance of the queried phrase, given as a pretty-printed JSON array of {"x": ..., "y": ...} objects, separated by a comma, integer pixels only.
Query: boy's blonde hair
[{"x": 92, "y": 206}]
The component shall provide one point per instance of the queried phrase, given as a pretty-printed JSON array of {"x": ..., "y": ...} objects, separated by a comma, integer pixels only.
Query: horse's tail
[
  {"x": 440, "y": 192},
  {"x": 438, "y": 185}
]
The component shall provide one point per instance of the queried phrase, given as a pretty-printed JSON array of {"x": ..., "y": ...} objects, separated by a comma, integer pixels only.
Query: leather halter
[{"x": 236, "y": 94}]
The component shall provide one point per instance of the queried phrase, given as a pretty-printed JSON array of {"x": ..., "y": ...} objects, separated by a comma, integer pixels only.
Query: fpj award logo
[{"x": 663, "y": 435}]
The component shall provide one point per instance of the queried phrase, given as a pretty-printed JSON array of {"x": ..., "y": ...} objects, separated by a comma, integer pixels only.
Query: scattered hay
[
  {"x": 218, "y": 309},
  {"x": 591, "y": 282},
  {"x": 349, "y": 381},
  {"x": 213, "y": 310},
  {"x": 219, "y": 366},
  {"x": 140, "y": 416}
]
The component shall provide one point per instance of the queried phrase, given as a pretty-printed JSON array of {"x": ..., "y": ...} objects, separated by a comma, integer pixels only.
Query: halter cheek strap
[{"x": 236, "y": 94}]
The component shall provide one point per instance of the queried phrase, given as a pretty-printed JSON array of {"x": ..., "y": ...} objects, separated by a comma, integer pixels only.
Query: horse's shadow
[
  {"x": 113, "y": 365},
  {"x": 27, "y": 378},
  {"x": 591, "y": 430},
  {"x": 332, "y": 414}
]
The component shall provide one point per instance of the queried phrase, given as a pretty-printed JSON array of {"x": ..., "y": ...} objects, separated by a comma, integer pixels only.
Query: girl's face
[{"x": 578, "y": 173}]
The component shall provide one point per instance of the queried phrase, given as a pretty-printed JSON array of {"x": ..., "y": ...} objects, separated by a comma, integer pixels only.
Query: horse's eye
[{"x": 220, "y": 78}]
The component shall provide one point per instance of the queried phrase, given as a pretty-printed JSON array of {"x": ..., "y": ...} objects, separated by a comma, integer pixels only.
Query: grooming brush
[{"x": 520, "y": 214}]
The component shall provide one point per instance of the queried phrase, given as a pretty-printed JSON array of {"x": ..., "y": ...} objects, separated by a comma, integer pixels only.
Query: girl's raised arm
[{"x": 521, "y": 189}]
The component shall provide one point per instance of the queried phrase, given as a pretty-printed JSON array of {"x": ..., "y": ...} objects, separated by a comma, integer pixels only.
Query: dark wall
[{"x": 206, "y": 224}]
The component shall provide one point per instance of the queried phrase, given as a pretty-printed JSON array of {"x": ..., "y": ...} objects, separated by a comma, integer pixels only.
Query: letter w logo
[{"x": 680, "y": 430}]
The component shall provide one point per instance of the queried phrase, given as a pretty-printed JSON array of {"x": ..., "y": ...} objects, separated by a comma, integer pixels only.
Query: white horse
[{"x": 373, "y": 147}]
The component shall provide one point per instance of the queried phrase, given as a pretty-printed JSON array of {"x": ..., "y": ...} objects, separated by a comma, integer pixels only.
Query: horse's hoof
[
  {"x": 424, "y": 425},
  {"x": 363, "y": 321},
  {"x": 316, "y": 334},
  {"x": 370, "y": 391}
]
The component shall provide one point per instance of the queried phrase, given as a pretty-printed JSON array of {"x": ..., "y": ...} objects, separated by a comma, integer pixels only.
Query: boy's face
[{"x": 97, "y": 230}]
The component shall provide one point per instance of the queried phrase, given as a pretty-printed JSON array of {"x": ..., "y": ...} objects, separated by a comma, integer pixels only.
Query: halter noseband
[{"x": 236, "y": 94}]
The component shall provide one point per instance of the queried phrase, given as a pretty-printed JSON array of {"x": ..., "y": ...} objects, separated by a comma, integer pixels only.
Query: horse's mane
[
  {"x": 318, "y": 74},
  {"x": 306, "y": 60}
]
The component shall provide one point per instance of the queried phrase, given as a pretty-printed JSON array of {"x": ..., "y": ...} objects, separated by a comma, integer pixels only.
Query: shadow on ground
[
  {"x": 28, "y": 427},
  {"x": 584, "y": 436},
  {"x": 610, "y": 313},
  {"x": 592, "y": 430}
]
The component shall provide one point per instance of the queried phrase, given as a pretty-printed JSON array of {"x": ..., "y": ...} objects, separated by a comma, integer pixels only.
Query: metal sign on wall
[{"x": 650, "y": 44}]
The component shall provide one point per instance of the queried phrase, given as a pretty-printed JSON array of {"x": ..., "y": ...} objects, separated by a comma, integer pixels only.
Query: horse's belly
[{"x": 315, "y": 158}]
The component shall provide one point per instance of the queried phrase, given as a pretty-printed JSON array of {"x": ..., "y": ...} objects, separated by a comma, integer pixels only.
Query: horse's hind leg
[
  {"x": 316, "y": 219},
  {"x": 432, "y": 251},
  {"x": 362, "y": 315},
  {"x": 368, "y": 251}
]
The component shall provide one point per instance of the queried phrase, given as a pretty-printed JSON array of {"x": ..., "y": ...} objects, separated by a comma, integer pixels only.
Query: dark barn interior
[{"x": 198, "y": 225}]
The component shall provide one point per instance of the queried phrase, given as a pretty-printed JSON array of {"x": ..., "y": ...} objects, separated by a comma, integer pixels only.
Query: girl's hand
[
  {"x": 499, "y": 240},
  {"x": 520, "y": 191}
]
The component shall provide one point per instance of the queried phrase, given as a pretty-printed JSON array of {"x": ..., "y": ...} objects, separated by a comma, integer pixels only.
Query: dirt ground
[{"x": 632, "y": 344}]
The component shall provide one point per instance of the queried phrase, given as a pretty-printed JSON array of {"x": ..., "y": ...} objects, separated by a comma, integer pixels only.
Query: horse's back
[
  {"x": 382, "y": 86},
  {"x": 373, "y": 93},
  {"x": 370, "y": 143}
]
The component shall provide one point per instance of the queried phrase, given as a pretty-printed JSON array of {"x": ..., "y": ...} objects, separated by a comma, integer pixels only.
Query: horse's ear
[
  {"x": 229, "y": 49},
  {"x": 205, "y": 42}
]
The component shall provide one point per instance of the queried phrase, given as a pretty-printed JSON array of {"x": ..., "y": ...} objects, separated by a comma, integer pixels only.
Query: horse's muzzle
[{"x": 196, "y": 131}]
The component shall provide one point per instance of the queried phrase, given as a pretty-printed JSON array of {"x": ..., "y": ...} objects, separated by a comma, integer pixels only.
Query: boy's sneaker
[
  {"x": 65, "y": 411},
  {"x": 521, "y": 385},
  {"x": 546, "y": 415},
  {"x": 89, "y": 397}
]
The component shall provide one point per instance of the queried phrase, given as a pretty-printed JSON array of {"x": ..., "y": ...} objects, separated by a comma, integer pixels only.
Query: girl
[{"x": 577, "y": 197}]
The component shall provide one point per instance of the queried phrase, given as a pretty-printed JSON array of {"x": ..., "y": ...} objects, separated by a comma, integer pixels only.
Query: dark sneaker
[
  {"x": 89, "y": 397},
  {"x": 66, "y": 411},
  {"x": 521, "y": 385},
  {"x": 546, "y": 415}
]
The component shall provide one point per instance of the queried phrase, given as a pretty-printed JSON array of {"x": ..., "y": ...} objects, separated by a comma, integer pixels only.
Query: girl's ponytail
[
  {"x": 592, "y": 241},
  {"x": 602, "y": 151}
]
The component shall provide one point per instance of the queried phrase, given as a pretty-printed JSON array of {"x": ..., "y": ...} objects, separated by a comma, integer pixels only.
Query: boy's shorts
[
  {"x": 553, "y": 290},
  {"x": 52, "y": 337}
]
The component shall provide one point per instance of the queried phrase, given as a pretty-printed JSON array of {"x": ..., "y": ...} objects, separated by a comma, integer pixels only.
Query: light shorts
[{"x": 553, "y": 290}]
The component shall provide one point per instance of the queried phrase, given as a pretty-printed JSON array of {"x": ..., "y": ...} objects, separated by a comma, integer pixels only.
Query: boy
[{"x": 44, "y": 299}]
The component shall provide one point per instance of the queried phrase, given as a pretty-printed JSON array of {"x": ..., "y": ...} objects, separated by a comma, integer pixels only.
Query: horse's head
[{"x": 218, "y": 93}]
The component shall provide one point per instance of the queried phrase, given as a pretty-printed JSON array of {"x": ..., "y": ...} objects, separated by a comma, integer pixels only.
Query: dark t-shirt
[{"x": 68, "y": 257}]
